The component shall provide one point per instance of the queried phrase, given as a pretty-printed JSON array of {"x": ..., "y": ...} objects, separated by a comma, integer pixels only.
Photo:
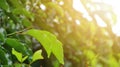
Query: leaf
[
  {"x": 23, "y": 59},
  {"x": 42, "y": 38},
  {"x": 49, "y": 42},
  {"x": 4, "y": 5},
  {"x": 14, "y": 43},
  {"x": 17, "y": 54},
  {"x": 37, "y": 55},
  {"x": 57, "y": 50}
]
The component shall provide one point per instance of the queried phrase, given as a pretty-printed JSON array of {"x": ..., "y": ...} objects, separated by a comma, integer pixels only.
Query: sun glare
[{"x": 77, "y": 5}]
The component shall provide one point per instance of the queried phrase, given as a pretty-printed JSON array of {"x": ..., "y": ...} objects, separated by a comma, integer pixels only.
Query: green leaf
[
  {"x": 17, "y": 54},
  {"x": 23, "y": 59},
  {"x": 20, "y": 47},
  {"x": 57, "y": 50},
  {"x": 49, "y": 42},
  {"x": 4, "y": 5},
  {"x": 37, "y": 55},
  {"x": 43, "y": 38},
  {"x": 14, "y": 43}
]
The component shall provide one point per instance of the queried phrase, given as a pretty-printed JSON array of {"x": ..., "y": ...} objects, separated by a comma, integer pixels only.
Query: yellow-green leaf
[
  {"x": 23, "y": 59},
  {"x": 49, "y": 42},
  {"x": 37, "y": 55},
  {"x": 17, "y": 54}
]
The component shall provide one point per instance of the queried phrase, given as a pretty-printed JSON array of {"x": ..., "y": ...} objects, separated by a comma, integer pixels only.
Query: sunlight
[
  {"x": 43, "y": 7},
  {"x": 77, "y": 5},
  {"x": 100, "y": 22},
  {"x": 116, "y": 8},
  {"x": 77, "y": 22}
]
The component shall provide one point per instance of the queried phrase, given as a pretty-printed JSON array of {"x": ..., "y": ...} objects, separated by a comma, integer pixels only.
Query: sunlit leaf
[
  {"x": 49, "y": 42},
  {"x": 24, "y": 58},
  {"x": 17, "y": 54},
  {"x": 37, "y": 55},
  {"x": 57, "y": 50}
]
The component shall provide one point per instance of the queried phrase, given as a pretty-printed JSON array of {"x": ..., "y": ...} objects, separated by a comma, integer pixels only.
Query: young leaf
[
  {"x": 37, "y": 55},
  {"x": 23, "y": 59},
  {"x": 17, "y": 54},
  {"x": 49, "y": 42}
]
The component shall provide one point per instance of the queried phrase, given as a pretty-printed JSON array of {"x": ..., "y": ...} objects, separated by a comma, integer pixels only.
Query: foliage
[{"x": 16, "y": 47}]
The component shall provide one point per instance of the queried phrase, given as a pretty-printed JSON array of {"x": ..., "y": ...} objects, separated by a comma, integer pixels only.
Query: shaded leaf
[{"x": 14, "y": 43}]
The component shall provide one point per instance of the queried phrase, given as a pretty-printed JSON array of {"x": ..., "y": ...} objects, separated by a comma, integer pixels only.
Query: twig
[{"x": 18, "y": 32}]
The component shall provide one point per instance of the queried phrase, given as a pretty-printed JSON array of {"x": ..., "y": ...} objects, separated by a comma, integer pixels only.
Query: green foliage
[
  {"x": 49, "y": 42},
  {"x": 17, "y": 48}
]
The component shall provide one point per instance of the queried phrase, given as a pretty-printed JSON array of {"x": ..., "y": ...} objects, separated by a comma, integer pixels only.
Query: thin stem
[{"x": 19, "y": 32}]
